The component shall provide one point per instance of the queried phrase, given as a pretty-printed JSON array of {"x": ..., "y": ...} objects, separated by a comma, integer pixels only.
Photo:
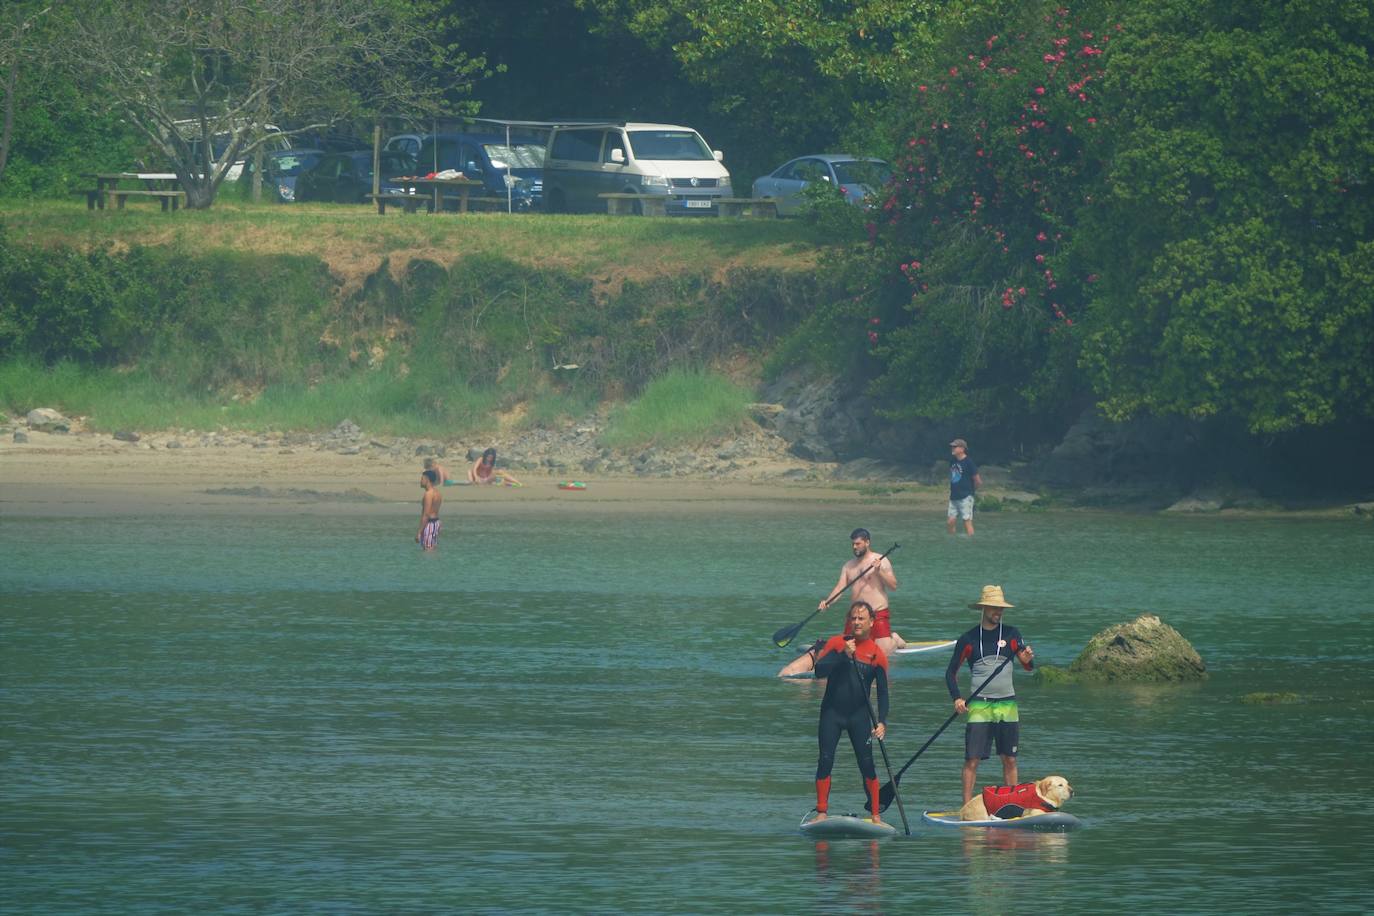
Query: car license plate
[{"x": 699, "y": 204}]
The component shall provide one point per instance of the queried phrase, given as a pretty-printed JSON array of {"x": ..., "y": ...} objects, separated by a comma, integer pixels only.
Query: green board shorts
[{"x": 989, "y": 722}]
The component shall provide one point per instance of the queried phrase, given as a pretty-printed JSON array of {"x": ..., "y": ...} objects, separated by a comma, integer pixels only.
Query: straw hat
[{"x": 992, "y": 596}]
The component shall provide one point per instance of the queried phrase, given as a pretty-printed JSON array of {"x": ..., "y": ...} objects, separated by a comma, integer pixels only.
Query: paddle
[
  {"x": 887, "y": 764},
  {"x": 787, "y": 634},
  {"x": 889, "y": 790}
]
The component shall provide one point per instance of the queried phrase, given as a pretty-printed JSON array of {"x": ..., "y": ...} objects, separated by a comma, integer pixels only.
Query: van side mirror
[
  {"x": 472, "y": 167},
  {"x": 719, "y": 156},
  {"x": 618, "y": 155}
]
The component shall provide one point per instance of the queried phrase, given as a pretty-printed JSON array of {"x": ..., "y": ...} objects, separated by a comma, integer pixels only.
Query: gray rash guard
[{"x": 984, "y": 650}]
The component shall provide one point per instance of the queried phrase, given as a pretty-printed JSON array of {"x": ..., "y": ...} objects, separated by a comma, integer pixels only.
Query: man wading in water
[
  {"x": 871, "y": 588},
  {"x": 845, "y": 705},
  {"x": 428, "y": 535}
]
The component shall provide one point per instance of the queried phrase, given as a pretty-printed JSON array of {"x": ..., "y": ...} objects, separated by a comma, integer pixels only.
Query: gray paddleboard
[
  {"x": 844, "y": 825},
  {"x": 1052, "y": 820}
]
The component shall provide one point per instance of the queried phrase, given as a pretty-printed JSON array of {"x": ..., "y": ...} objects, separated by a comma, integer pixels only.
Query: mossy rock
[
  {"x": 1271, "y": 698},
  {"x": 1143, "y": 651},
  {"x": 1051, "y": 676}
]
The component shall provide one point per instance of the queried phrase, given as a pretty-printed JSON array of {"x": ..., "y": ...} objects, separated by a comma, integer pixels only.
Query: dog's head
[{"x": 1054, "y": 789}]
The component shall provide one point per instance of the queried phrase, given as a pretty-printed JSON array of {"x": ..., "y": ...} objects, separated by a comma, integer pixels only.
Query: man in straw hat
[{"x": 992, "y": 714}]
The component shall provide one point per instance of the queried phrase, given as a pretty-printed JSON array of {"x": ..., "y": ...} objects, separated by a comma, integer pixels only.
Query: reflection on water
[
  {"x": 996, "y": 856},
  {"x": 847, "y": 872}
]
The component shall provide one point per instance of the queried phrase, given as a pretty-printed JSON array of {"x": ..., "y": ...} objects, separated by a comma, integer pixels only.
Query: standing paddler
[
  {"x": 844, "y": 708},
  {"x": 871, "y": 576}
]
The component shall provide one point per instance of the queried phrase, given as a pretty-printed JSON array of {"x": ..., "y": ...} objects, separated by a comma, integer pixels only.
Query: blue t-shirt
[{"x": 961, "y": 473}]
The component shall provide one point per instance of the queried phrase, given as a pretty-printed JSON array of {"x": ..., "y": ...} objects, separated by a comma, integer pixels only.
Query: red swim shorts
[{"x": 882, "y": 623}]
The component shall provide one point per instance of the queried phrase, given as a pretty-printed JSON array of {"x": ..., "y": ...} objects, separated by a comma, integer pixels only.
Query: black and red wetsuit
[{"x": 845, "y": 708}]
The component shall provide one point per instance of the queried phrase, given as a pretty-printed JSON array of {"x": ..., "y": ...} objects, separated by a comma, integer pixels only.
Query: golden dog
[{"x": 1048, "y": 794}]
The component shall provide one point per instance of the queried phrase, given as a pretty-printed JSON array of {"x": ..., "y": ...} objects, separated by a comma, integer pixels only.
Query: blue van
[{"x": 488, "y": 158}]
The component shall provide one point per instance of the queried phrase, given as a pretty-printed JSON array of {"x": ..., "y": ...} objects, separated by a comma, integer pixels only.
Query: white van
[{"x": 585, "y": 160}]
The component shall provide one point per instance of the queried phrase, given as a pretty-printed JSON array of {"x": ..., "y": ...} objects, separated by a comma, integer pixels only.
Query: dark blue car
[
  {"x": 488, "y": 158},
  {"x": 346, "y": 178}
]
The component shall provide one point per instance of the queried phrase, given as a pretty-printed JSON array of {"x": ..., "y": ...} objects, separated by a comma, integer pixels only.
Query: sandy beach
[{"x": 84, "y": 473}]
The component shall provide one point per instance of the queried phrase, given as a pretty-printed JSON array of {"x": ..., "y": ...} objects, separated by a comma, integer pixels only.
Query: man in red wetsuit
[{"x": 851, "y": 665}]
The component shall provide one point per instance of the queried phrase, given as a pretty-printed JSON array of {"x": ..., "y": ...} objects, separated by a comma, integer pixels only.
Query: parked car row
[{"x": 568, "y": 172}]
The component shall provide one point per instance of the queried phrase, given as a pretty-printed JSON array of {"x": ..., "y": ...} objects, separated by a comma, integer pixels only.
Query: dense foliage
[{"x": 1164, "y": 209}]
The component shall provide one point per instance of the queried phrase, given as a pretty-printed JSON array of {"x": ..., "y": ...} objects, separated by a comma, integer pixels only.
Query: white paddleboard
[
  {"x": 929, "y": 645},
  {"x": 1051, "y": 820},
  {"x": 837, "y": 826}
]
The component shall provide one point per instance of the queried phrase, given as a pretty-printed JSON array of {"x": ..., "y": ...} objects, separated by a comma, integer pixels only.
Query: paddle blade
[{"x": 787, "y": 634}]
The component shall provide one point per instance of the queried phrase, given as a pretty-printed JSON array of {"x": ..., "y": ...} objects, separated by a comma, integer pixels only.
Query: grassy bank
[{"x": 296, "y": 318}]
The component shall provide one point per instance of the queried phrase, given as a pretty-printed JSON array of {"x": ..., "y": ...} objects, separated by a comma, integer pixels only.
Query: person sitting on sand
[
  {"x": 483, "y": 470},
  {"x": 432, "y": 464}
]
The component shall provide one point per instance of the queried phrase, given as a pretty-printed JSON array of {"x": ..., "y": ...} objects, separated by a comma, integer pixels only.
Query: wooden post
[{"x": 376, "y": 160}]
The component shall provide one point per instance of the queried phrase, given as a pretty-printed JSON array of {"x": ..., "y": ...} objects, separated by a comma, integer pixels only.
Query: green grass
[
  {"x": 349, "y": 237},
  {"x": 679, "y": 408},
  {"x": 381, "y": 401}
]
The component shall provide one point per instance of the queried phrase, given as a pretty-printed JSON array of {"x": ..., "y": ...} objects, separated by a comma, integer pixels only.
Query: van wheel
[{"x": 554, "y": 203}]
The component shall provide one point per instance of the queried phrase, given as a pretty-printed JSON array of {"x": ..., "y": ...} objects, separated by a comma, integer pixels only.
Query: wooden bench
[
  {"x": 624, "y": 204},
  {"x": 760, "y": 207},
  {"x": 117, "y": 196},
  {"x": 410, "y": 202}
]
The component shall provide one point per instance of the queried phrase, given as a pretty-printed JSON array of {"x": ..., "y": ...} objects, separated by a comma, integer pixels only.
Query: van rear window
[{"x": 669, "y": 144}]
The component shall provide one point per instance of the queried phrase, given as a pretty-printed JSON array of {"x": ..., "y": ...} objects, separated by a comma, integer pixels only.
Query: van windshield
[
  {"x": 515, "y": 156},
  {"x": 669, "y": 144}
]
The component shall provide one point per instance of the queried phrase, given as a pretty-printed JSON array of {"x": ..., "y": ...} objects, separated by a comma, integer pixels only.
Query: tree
[
  {"x": 18, "y": 48},
  {"x": 1234, "y": 232},
  {"x": 787, "y": 76},
  {"x": 200, "y": 78}
]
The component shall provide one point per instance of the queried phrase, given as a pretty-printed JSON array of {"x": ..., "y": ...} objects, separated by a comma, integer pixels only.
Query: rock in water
[{"x": 1146, "y": 650}]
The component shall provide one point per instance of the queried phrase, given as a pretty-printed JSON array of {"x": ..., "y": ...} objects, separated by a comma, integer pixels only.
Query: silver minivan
[{"x": 586, "y": 160}]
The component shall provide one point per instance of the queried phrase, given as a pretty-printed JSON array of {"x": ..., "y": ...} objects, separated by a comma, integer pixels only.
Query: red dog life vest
[{"x": 1023, "y": 797}]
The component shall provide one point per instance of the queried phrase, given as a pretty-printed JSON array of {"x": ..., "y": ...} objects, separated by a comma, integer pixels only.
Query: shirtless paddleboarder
[
  {"x": 428, "y": 534},
  {"x": 875, "y": 579}
]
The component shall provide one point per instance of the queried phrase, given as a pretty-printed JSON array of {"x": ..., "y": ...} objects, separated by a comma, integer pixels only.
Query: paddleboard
[
  {"x": 838, "y": 826},
  {"x": 1051, "y": 821},
  {"x": 929, "y": 645}
]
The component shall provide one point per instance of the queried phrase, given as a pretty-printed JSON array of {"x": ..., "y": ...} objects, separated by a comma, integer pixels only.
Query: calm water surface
[{"x": 576, "y": 711}]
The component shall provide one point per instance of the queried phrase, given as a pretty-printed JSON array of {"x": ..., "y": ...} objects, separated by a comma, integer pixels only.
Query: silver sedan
[{"x": 856, "y": 177}]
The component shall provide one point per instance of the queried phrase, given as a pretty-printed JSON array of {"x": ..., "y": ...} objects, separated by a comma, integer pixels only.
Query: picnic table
[
  {"x": 438, "y": 187},
  {"x": 161, "y": 185}
]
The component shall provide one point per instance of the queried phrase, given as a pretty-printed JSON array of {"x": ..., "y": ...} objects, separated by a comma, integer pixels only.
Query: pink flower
[
  {"x": 872, "y": 337},
  {"x": 1040, "y": 259},
  {"x": 1092, "y": 120},
  {"x": 920, "y": 88},
  {"x": 874, "y": 320},
  {"x": 1092, "y": 278},
  {"x": 915, "y": 265},
  {"x": 1021, "y": 290},
  {"x": 1039, "y": 90},
  {"x": 953, "y": 71},
  {"x": 1040, "y": 236}
]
